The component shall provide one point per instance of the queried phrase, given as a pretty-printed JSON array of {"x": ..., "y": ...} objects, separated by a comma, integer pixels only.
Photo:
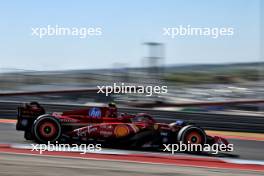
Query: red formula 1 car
[{"x": 103, "y": 125}]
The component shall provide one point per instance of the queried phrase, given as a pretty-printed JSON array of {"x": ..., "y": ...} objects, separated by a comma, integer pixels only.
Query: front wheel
[
  {"x": 193, "y": 136},
  {"x": 46, "y": 129}
]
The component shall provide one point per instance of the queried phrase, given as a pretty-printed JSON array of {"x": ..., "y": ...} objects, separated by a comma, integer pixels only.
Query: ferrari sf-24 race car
[{"x": 106, "y": 126}]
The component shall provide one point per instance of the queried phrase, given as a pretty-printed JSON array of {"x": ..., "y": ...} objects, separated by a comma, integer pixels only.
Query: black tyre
[{"x": 46, "y": 129}]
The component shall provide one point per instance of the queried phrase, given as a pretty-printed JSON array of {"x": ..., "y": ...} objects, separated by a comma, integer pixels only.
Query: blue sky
[{"x": 126, "y": 25}]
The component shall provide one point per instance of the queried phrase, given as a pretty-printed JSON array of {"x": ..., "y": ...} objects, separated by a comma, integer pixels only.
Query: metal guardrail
[{"x": 243, "y": 123}]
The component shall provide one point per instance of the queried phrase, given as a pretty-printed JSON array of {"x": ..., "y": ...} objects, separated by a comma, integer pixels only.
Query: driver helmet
[{"x": 112, "y": 105}]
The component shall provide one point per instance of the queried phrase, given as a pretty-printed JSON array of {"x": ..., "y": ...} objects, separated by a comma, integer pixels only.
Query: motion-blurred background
[{"x": 203, "y": 74}]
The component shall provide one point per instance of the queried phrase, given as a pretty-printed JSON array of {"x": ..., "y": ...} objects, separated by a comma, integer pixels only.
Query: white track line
[{"x": 123, "y": 152}]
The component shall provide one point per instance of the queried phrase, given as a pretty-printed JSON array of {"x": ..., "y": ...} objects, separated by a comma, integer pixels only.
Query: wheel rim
[
  {"x": 47, "y": 130},
  {"x": 194, "y": 137}
]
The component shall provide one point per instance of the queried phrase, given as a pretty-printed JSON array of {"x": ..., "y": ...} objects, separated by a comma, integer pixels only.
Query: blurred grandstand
[{"x": 188, "y": 83}]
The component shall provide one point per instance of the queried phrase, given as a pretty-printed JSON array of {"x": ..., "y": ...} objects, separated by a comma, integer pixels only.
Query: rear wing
[{"x": 26, "y": 115}]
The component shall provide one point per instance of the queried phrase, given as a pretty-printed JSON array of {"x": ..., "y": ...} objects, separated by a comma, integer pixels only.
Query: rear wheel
[{"x": 47, "y": 129}]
